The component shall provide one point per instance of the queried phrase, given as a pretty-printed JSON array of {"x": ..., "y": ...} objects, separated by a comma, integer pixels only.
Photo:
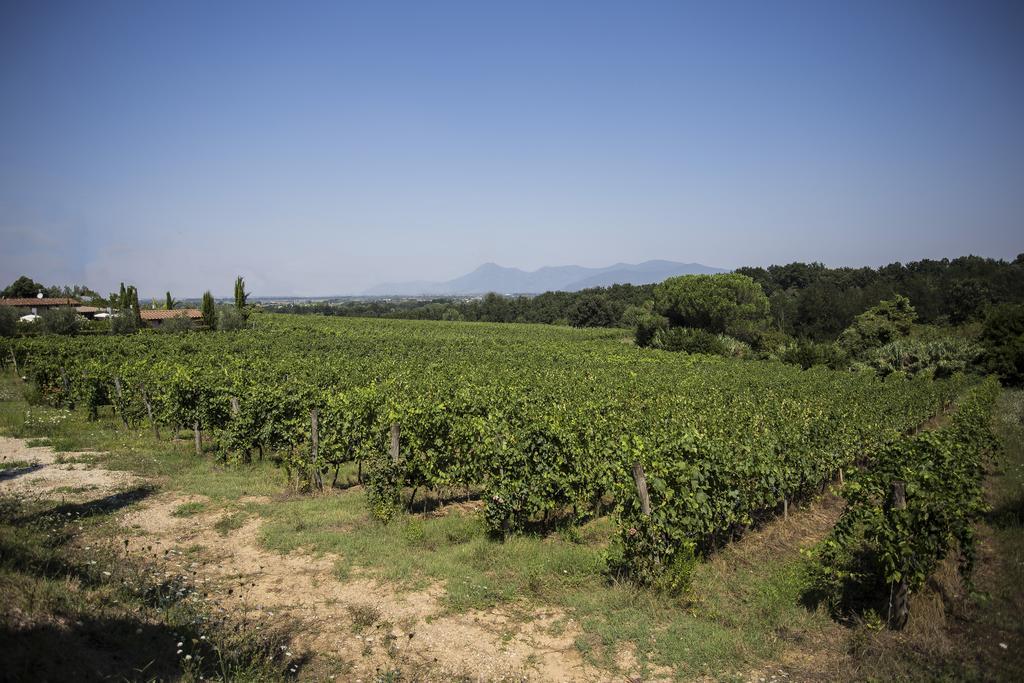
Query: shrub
[
  {"x": 689, "y": 340},
  {"x": 8, "y": 321},
  {"x": 734, "y": 348},
  {"x": 941, "y": 357},
  {"x": 62, "y": 320},
  {"x": 123, "y": 324},
  {"x": 230, "y": 319},
  {"x": 179, "y": 323},
  {"x": 648, "y": 326},
  {"x": 807, "y": 354}
]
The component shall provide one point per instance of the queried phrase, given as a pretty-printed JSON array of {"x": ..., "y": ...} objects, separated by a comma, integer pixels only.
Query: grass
[
  {"x": 14, "y": 464},
  {"x": 188, "y": 509},
  {"x": 230, "y": 522},
  {"x": 743, "y": 610}
]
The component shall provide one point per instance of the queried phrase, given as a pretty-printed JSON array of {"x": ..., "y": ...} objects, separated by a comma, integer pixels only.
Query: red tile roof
[
  {"x": 149, "y": 314},
  {"x": 35, "y": 301}
]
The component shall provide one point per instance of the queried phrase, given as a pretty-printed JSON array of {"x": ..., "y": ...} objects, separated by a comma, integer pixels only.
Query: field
[{"x": 469, "y": 503}]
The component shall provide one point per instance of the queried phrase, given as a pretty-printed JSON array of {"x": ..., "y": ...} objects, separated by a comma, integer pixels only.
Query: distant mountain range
[{"x": 491, "y": 277}]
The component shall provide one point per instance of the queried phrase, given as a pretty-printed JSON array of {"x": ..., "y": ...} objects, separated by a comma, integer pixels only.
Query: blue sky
[{"x": 322, "y": 148}]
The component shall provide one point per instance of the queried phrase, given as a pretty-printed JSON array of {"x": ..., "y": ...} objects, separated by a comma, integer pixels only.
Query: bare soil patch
[
  {"x": 359, "y": 626},
  {"x": 53, "y": 474},
  {"x": 365, "y": 625}
]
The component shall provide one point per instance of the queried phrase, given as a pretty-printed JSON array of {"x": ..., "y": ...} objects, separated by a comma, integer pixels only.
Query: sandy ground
[
  {"x": 53, "y": 474},
  {"x": 364, "y": 626},
  {"x": 410, "y": 630}
]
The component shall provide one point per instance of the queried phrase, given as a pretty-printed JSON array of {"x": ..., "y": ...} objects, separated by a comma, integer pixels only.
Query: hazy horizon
[{"x": 324, "y": 148}]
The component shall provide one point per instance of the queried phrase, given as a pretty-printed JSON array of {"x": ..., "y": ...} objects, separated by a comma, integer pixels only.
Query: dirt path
[{"x": 359, "y": 627}]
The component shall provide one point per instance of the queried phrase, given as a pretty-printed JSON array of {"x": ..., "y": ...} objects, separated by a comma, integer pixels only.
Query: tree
[
  {"x": 240, "y": 294},
  {"x": 136, "y": 310},
  {"x": 122, "y": 299},
  {"x": 730, "y": 304},
  {"x": 209, "y": 311},
  {"x": 593, "y": 310},
  {"x": 887, "y": 321},
  {"x": 967, "y": 300},
  {"x": 8, "y": 321},
  {"x": 23, "y": 287},
  {"x": 1003, "y": 339},
  {"x": 495, "y": 308},
  {"x": 170, "y": 303}
]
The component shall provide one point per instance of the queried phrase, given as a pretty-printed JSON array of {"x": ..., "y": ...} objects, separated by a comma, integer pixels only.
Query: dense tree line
[
  {"x": 597, "y": 307},
  {"x": 806, "y": 300},
  {"x": 811, "y": 301},
  {"x": 25, "y": 287}
]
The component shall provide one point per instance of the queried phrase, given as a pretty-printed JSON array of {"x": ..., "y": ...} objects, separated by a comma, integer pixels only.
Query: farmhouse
[
  {"x": 37, "y": 305},
  {"x": 156, "y": 318}
]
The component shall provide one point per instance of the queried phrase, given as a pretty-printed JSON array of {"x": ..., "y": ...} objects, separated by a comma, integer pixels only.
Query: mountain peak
[{"x": 490, "y": 277}]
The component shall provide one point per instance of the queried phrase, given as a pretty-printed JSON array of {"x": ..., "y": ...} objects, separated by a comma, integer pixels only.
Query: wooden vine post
[
  {"x": 314, "y": 436},
  {"x": 198, "y": 437},
  {"x": 396, "y": 436},
  {"x": 120, "y": 401},
  {"x": 235, "y": 409},
  {"x": 149, "y": 411},
  {"x": 67, "y": 387},
  {"x": 15, "y": 359},
  {"x": 640, "y": 479},
  {"x": 899, "y": 606}
]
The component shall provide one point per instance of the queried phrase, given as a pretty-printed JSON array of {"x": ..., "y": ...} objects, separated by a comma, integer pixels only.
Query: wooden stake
[
  {"x": 15, "y": 359},
  {"x": 640, "y": 479},
  {"x": 247, "y": 456},
  {"x": 785, "y": 508},
  {"x": 117, "y": 390},
  {"x": 314, "y": 435},
  {"x": 67, "y": 387},
  {"x": 396, "y": 436},
  {"x": 149, "y": 411},
  {"x": 899, "y": 605},
  {"x": 199, "y": 437}
]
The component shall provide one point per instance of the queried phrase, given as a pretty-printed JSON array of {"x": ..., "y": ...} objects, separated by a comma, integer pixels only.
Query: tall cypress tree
[
  {"x": 133, "y": 295},
  {"x": 209, "y": 311},
  {"x": 170, "y": 302},
  {"x": 122, "y": 299}
]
